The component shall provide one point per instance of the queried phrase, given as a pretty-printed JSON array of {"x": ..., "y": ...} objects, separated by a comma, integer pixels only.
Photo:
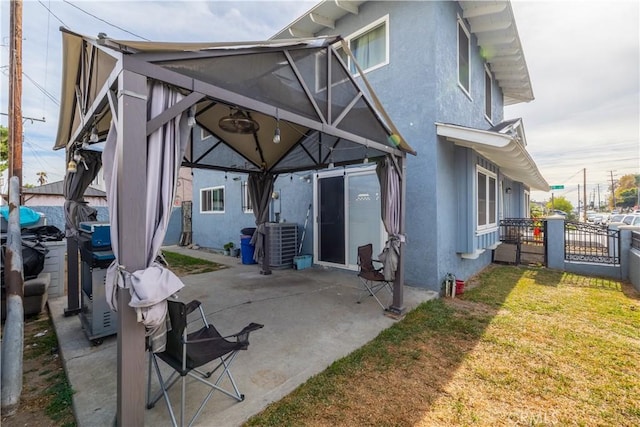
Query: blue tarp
[{"x": 28, "y": 216}]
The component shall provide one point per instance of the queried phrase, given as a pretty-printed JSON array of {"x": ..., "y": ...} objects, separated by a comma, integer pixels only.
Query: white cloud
[{"x": 584, "y": 62}]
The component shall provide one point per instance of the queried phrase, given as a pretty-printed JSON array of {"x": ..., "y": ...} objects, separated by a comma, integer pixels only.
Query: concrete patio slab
[{"x": 310, "y": 319}]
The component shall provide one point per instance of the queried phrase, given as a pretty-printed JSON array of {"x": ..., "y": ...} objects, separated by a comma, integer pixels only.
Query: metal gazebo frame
[{"x": 301, "y": 87}]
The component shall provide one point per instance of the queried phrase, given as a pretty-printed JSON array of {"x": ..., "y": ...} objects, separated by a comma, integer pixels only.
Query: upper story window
[
  {"x": 247, "y": 207},
  {"x": 212, "y": 200},
  {"x": 486, "y": 199},
  {"x": 488, "y": 90},
  {"x": 370, "y": 46},
  {"x": 464, "y": 63}
]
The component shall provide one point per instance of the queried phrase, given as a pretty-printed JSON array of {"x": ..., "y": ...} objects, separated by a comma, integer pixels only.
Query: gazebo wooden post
[{"x": 131, "y": 158}]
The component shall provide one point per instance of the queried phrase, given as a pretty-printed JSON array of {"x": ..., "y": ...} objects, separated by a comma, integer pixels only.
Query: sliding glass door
[{"x": 348, "y": 213}]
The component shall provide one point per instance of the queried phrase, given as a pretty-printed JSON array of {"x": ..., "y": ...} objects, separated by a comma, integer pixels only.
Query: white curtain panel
[{"x": 150, "y": 287}]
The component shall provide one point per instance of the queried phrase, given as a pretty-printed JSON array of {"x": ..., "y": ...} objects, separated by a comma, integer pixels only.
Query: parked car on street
[
  {"x": 615, "y": 218},
  {"x": 631, "y": 219}
]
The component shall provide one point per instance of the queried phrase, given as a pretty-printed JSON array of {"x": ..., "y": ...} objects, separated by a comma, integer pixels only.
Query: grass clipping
[{"x": 525, "y": 346}]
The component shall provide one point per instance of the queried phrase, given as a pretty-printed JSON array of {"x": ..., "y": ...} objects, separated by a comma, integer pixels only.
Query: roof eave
[
  {"x": 502, "y": 149},
  {"x": 494, "y": 25}
]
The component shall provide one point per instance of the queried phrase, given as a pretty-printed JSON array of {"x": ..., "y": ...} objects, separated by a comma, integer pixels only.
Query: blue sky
[{"x": 583, "y": 59}]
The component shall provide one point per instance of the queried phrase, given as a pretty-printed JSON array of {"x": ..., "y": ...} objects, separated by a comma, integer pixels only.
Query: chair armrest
[
  {"x": 192, "y": 306},
  {"x": 242, "y": 336}
]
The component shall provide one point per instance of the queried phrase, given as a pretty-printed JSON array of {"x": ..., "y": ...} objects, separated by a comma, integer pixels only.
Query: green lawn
[{"x": 524, "y": 346}]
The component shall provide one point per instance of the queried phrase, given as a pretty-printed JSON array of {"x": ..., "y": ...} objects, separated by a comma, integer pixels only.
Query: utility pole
[
  {"x": 613, "y": 190},
  {"x": 584, "y": 193},
  {"x": 599, "y": 204},
  {"x": 15, "y": 91},
  {"x": 13, "y": 336}
]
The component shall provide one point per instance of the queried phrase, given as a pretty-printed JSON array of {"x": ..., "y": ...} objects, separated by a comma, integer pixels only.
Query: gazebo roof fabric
[{"x": 299, "y": 86}]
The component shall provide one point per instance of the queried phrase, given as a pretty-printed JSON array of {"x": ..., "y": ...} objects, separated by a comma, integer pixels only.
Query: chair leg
[
  {"x": 225, "y": 363},
  {"x": 183, "y": 395},
  {"x": 164, "y": 387},
  {"x": 372, "y": 291}
]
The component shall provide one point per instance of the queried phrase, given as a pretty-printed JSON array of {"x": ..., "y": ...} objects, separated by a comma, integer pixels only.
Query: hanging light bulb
[
  {"x": 94, "y": 134},
  {"x": 276, "y": 133},
  {"x": 191, "y": 116},
  {"x": 366, "y": 155},
  {"x": 331, "y": 165},
  {"x": 72, "y": 166}
]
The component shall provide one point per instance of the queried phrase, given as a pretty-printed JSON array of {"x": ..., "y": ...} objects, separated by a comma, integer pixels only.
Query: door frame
[{"x": 346, "y": 172}]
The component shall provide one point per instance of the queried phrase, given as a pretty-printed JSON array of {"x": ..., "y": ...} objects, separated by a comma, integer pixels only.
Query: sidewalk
[{"x": 310, "y": 319}]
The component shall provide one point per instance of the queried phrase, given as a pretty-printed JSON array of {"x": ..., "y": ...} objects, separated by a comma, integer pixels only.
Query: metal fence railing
[
  {"x": 522, "y": 230},
  {"x": 591, "y": 243}
]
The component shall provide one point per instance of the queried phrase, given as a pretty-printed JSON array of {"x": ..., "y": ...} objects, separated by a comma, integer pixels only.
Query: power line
[
  {"x": 43, "y": 90},
  {"x": 53, "y": 14},
  {"x": 106, "y": 22}
]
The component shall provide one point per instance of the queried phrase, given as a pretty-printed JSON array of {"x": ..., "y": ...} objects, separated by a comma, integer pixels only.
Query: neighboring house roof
[
  {"x": 504, "y": 145},
  {"x": 57, "y": 189},
  {"x": 492, "y": 22}
]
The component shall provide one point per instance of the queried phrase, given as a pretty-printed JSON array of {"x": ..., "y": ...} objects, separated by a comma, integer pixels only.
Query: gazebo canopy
[{"x": 254, "y": 90}]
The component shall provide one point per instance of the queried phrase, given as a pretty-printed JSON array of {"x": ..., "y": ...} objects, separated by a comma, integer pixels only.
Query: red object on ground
[{"x": 459, "y": 287}]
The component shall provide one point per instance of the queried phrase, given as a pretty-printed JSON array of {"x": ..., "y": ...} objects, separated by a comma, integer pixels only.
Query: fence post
[
  {"x": 625, "y": 248},
  {"x": 555, "y": 242}
]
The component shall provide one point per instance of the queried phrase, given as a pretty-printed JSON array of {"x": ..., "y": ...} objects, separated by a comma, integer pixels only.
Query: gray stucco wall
[{"x": 214, "y": 230}]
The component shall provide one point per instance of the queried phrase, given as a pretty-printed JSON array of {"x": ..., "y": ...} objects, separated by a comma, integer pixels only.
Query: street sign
[{"x": 557, "y": 187}]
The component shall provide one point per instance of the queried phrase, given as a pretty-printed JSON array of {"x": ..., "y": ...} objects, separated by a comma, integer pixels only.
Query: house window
[
  {"x": 463, "y": 56},
  {"x": 212, "y": 200},
  {"x": 247, "y": 207},
  {"x": 486, "y": 199},
  {"x": 488, "y": 86},
  {"x": 369, "y": 46}
]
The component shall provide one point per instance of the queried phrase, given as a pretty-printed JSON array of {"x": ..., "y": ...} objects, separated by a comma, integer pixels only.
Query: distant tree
[
  {"x": 627, "y": 198},
  {"x": 562, "y": 204},
  {"x": 535, "y": 211},
  {"x": 4, "y": 148},
  {"x": 626, "y": 191}
]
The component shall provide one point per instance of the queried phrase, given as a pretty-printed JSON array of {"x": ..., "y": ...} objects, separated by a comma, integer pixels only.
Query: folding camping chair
[
  {"x": 372, "y": 278},
  {"x": 186, "y": 352}
]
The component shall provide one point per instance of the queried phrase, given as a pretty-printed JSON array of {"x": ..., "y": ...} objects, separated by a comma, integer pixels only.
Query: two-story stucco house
[{"x": 444, "y": 71}]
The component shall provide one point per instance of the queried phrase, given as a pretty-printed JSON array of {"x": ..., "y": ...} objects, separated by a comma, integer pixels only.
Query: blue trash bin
[{"x": 246, "y": 250}]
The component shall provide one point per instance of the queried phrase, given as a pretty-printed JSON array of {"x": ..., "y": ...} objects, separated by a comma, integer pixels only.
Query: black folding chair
[
  {"x": 186, "y": 352},
  {"x": 372, "y": 278}
]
